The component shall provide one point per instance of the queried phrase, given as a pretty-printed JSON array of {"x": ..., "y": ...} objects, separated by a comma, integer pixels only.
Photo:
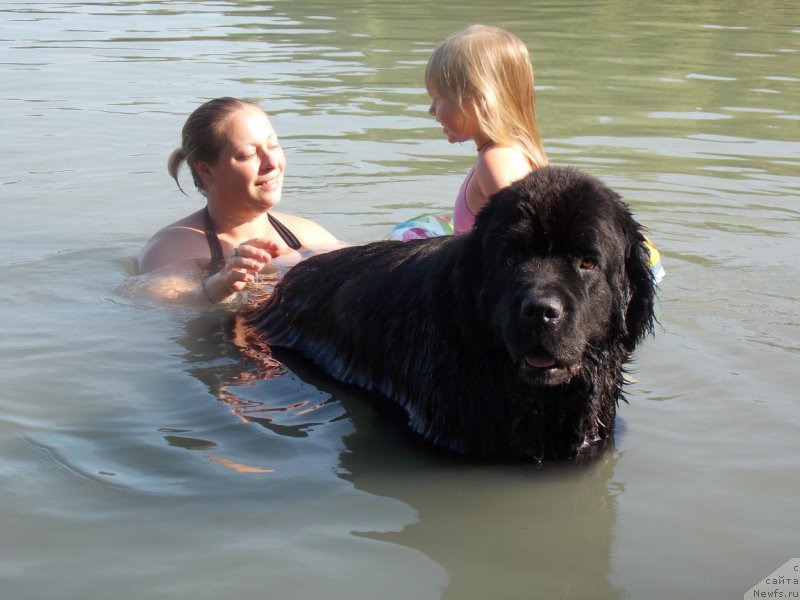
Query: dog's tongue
[{"x": 540, "y": 361}]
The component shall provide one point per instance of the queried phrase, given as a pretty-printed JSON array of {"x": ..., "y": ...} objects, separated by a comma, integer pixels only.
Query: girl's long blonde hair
[{"x": 491, "y": 69}]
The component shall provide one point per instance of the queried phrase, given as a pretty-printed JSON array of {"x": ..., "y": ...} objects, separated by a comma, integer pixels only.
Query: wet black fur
[{"x": 555, "y": 267}]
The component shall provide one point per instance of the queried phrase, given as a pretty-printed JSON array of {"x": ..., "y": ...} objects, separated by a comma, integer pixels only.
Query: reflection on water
[
  {"x": 521, "y": 505},
  {"x": 230, "y": 474}
]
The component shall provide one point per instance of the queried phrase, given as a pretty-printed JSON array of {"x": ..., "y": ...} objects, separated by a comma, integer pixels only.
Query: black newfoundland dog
[{"x": 508, "y": 342}]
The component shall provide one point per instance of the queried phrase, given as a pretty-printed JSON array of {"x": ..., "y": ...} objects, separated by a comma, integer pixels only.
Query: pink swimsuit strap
[{"x": 463, "y": 219}]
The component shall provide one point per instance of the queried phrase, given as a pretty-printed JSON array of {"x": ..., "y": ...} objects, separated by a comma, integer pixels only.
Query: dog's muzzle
[{"x": 534, "y": 340}]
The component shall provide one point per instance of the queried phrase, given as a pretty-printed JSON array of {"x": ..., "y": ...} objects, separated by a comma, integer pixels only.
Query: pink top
[{"x": 463, "y": 219}]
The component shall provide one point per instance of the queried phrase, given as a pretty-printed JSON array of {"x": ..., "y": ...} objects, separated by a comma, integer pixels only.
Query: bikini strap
[
  {"x": 214, "y": 246},
  {"x": 283, "y": 231}
]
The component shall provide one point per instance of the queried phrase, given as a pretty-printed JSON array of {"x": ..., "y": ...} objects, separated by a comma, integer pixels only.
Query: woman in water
[{"x": 237, "y": 163}]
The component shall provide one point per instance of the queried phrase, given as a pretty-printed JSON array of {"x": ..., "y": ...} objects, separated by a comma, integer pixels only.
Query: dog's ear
[{"x": 641, "y": 289}]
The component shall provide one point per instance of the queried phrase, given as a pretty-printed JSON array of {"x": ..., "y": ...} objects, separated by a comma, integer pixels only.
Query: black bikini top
[{"x": 214, "y": 245}]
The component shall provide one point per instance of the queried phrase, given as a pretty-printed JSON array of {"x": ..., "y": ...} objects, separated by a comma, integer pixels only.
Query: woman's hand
[
  {"x": 241, "y": 269},
  {"x": 247, "y": 260}
]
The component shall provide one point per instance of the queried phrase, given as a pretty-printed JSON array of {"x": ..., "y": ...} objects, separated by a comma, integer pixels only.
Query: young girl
[{"x": 480, "y": 80}]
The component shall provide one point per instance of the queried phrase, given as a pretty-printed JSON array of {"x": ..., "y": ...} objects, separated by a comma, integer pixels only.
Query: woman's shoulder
[
  {"x": 180, "y": 241},
  {"x": 307, "y": 231}
]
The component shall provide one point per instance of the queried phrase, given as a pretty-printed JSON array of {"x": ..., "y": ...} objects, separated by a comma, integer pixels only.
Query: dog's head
[{"x": 561, "y": 272}]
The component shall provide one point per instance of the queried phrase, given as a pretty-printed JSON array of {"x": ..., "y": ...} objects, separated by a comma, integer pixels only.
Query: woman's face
[{"x": 249, "y": 169}]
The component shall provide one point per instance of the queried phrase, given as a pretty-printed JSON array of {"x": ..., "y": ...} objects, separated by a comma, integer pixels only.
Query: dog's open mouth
[
  {"x": 540, "y": 361},
  {"x": 541, "y": 368}
]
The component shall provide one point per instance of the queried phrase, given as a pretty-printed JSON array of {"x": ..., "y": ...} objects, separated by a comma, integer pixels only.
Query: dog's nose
[{"x": 545, "y": 310}]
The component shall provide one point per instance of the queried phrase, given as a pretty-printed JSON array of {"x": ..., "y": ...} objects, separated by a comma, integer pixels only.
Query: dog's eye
[
  {"x": 512, "y": 261},
  {"x": 588, "y": 263}
]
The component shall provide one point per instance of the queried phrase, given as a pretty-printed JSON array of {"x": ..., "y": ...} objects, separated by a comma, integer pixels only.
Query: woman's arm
[{"x": 174, "y": 262}]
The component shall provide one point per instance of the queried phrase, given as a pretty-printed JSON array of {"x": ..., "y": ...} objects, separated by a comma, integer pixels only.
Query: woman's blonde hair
[
  {"x": 203, "y": 136},
  {"x": 490, "y": 69}
]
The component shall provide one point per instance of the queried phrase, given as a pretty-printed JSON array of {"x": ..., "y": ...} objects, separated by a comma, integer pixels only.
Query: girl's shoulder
[
  {"x": 498, "y": 166},
  {"x": 496, "y": 154}
]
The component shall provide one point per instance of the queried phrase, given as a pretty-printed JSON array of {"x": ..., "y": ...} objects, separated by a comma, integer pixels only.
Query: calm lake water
[{"x": 145, "y": 456}]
